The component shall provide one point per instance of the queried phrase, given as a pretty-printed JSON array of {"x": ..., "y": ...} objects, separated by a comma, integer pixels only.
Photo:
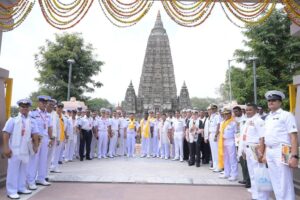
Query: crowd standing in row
[{"x": 37, "y": 141}]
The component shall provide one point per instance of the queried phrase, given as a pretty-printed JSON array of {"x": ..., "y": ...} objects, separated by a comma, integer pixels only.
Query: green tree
[
  {"x": 203, "y": 103},
  {"x": 53, "y": 69},
  {"x": 98, "y": 103},
  {"x": 277, "y": 53}
]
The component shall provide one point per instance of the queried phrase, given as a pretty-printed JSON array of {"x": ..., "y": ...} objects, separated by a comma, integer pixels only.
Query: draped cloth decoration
[{"x": 126, "y": 13}]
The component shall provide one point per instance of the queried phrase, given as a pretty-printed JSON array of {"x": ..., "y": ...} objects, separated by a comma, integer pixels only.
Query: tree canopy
[
  {"x": 53, "y": 68},
  {"x": 98, "y": 103},
  {"x": 203, "y": 103},
  {"x": 277, "y": 55}
]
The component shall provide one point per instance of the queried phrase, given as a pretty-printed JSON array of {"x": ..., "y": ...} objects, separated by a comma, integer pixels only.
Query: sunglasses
[{"x": 272, "y": 100}]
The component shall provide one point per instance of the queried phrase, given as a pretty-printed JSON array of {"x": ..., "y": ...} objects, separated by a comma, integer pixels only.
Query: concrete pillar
[
  {"x": 3, "y": 162},
  {"x": 296, "y": 81}
]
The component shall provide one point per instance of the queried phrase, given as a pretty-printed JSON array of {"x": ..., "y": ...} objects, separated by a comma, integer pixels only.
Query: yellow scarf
[
  {"x": 131, "y": 124},
  {"x": 146, "y": 131},
  {"x": 62, "y": 129},
  {"x": 220, "y": 143}
]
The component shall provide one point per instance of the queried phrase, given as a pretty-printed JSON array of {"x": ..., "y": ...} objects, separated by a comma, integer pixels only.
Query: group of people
[{"x": 37, "y": 141}]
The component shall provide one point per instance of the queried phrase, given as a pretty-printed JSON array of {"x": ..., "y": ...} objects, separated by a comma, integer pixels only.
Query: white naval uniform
[
  {"x": 37, "y": 167},
  {"x": 72, "y": 135},
  {"x": 94, "y": 140},
  {"x": 102, "y": 125},
  {"x": 179, "y": 128},
  {"x": 59, "y": 145},
  {"x": 253, "y": 130},
  {"x": 130, "y": 139},
  {"x": 155, "y": 141},
  {"x": 121, "y": 150},
  {"x": 214, "y": 120},
  {"x": 115, "y": 126},
  {"x": 55, "y": 131},
  {"x": 230, "y": 159},
  {"x": 78, "y": 118},
  {"x": 20, "y": 130},
  {"x": 278, "y": 126},
  {"x": 164, "y": 128}
]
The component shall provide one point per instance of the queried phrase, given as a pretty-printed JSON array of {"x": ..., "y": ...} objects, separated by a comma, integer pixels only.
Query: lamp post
[
  {"x": 70, "y": 62},
  {"x": 229, "y": 77},
  {"x": 253, "y": 59}
]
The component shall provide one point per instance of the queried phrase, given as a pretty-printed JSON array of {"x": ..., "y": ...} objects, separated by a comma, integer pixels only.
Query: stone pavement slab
[
  {"x": 112, "y": 191},
  {"x": 138, "y": 170}
]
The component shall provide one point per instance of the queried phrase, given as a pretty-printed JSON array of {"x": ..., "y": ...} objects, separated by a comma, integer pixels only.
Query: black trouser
[
  {"x": 85, "y": 141},
  {"x": 185, "y": 150},
  {"x": 245, "y": 171},
  {"x": 194, "y": 149},
  {"x": 205, "y": 150}
]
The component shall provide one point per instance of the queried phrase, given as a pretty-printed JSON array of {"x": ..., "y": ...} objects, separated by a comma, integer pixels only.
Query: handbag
[{"x": 262, "y": 178}]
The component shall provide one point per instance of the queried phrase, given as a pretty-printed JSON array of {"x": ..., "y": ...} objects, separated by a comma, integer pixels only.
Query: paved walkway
[
  {"x": 136, "y": 178},
  {"x": 138, "y": 170}
]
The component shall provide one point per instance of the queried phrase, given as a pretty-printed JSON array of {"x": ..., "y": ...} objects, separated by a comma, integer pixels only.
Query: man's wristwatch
[{"x": 295, "y": 156}]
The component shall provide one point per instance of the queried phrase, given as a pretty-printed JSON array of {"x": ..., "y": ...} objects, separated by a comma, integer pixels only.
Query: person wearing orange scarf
[{"x": 228, "y": 130}]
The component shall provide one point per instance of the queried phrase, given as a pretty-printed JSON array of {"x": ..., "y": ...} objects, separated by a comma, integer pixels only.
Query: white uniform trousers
[
  {"x": 130, "y": 140},
  {"x": 50, "y": 157},
  {"x": 230, "y": 159},
  {"x": 61, "y": 155},
  {"x": 155, "y": 148},
  {"x": 37, "y": 166},
  {"x": 113, "y": 143},
  {"x": 16, "y": 175},
  {"x": 121, "y": 143},
  {"x": 146, "y": 146},
  {"x": 102, "y": 144},
  {"x": 214, "y": 150},
  {"x": 69, "y": 151},
  {"x": 280, "y": 174},
  {"x": 178, "y": 142},
  {"x": 57, "y": 153},
  {"x": 77, "y": 145},
  {"x": 252, "y": 164},
  {"x": 165, "y": 150},
  {"x": 93, "y": 146}
]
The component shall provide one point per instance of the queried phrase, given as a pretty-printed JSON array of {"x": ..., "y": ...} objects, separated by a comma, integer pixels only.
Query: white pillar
[{"x": 296, "y": 81}]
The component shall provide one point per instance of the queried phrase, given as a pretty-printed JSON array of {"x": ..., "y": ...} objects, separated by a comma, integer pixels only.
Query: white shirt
[
  {"x": 71, "y": 128},
  {"x": 278, "y": 126},
  {"x": 115, "y": 122},
  {"x": 230, "y": 130},
  {"x": 178, "y": 125},
  {"x": 253, "y": 130},
  {"x": 123, "y": 123},
  {"x": 102, "y": 124},
  {"x": 165, "y": 126},
  {"x": 86, "y": 123},
  {"x": 214, "y": 120}
]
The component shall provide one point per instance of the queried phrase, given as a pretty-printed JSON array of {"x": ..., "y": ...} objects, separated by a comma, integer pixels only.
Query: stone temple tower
[{"x": 157, "y": 89}]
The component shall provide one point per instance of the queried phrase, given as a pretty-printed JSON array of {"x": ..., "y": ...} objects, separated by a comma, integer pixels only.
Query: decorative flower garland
[
  {"x": 12, "y": 16},
  {"x": 126, "y": 13},
  {"x": 64, "y": 16}
]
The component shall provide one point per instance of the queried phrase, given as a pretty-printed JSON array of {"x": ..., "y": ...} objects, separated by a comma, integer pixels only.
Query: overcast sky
[{"x": 200, "y": 54}]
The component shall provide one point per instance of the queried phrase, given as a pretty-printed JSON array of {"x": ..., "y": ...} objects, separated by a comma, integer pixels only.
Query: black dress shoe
[
  {"x": 89, "y": 159},
  {"x": 198, "y": 165},
  {"x": 60, "y": 162},
  {"x": 81, "y": 159},
  {"x": 247, "y": 186},
  {"x": 47, "y": 179},
  {"x": 242, "y": 182},
  {"x": 191, "y": 163}
]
